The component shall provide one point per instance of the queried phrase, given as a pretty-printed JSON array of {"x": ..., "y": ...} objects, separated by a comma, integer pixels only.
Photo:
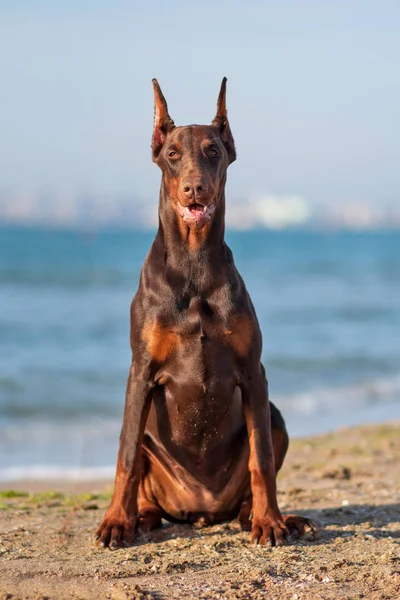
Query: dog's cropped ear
[
  {"x": 162, "y": 121},
  {"x": 221, "y": 121}
]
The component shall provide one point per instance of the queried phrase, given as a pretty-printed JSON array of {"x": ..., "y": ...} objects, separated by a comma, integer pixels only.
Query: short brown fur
[
  {"x": 200, "y": 442},
  {"x": 159, "y": 340},
  {"x": 240, "y": 334}
]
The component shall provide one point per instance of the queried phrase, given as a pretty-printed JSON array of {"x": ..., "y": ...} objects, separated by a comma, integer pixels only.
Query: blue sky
[{"x": 313, "y": 93}]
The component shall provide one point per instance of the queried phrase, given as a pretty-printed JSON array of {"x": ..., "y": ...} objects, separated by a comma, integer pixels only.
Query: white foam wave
[
  {"x": 364, "y": 392},
  {"x": 55, "y": 473}
]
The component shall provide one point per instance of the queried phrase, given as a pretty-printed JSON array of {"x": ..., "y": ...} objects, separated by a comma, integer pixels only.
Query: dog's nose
[{"x": 194, "y": 188}]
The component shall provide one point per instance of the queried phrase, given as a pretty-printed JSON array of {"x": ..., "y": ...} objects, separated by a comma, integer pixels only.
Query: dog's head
[{"x": 194, "y": 160}]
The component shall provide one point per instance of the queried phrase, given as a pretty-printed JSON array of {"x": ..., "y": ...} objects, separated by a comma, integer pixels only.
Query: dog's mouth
[{"x": 196, "y": 215}]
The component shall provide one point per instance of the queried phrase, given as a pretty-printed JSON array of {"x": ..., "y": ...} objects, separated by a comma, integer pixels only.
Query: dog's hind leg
[
  {"x": 149, "y": 518},
  {"x": 280, "y": 438},
  {"x": 150, "y": 514},
  {"x": 298, "y": 526}
]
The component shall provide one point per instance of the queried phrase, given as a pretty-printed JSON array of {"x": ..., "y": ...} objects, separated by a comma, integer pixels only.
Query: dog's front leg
[
  {"x": 268, "y": 526},
  {"x": 120, "y": 521}
]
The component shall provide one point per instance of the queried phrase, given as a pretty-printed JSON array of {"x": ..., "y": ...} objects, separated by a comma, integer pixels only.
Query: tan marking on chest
[
  {"x": 240, "y": 334},
  {"x": 160, "y": 341},
  {"x": 197, "y": 238},
  {"x": 194, "y": 238}
]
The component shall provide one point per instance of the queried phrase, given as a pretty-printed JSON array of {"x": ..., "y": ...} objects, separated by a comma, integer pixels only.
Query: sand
[{"x": 348, "y": 482}]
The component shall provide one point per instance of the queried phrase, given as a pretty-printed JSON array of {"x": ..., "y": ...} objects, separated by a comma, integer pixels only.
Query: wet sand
[{"x": 347, "y": 481}]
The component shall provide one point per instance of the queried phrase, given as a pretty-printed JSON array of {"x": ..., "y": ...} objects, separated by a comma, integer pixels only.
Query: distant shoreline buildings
[{"x": 89, "y": 210}]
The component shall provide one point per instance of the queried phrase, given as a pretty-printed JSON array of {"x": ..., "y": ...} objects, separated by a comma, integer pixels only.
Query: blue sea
[{"x": 328, "y": 304}]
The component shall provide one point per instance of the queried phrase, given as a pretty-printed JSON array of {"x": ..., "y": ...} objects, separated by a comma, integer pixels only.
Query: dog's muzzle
[{"x": 196, "y": 215}]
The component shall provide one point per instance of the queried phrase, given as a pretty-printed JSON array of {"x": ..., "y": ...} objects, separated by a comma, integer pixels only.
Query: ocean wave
[
  {"x": 365, "y": 392},
  {"x": 66, "y": 279},
  {"x": 52, "y": 431},
  {"x": 318, "y": 363},
  {"x": 55, "y": 473}
]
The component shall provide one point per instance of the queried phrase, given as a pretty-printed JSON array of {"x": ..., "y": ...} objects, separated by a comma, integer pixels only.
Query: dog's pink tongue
[{"x": 195, "y": 210}]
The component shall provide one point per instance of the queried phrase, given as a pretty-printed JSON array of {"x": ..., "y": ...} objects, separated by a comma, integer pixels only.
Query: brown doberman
[{"x": 200, "y": 441}]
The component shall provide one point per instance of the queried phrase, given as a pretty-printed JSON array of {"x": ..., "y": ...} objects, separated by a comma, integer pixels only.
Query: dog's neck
[{"x": 198, "y": 256}]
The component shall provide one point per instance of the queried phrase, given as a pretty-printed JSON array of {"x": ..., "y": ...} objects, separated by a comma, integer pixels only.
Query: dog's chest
[
  {"x": 202, "y": 340},
  {"x": 197, "y": 357}
]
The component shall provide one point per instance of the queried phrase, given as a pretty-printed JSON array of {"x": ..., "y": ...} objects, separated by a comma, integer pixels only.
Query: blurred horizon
[
  {"x": 313, "y": 102},
  {"x": 93, "y": 212}
]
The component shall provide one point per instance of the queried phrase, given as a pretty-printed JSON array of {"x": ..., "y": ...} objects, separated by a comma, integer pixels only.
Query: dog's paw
[
  {"x": 116, "y": 532},
  {"x": 269, "y": 531},
  {"x": 301, "y": 527}
]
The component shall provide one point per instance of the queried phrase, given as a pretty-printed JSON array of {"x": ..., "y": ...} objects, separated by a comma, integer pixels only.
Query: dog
[{"x": 200, "y": 441}]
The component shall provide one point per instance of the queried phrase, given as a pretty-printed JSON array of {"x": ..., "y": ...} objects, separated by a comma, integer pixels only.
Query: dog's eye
[
  {"x": 213, "y": 152},
  {"x": 172, "y": 154}
]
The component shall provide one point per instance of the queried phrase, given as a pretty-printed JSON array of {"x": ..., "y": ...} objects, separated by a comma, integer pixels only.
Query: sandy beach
[{"x": 347, "y": 481}]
